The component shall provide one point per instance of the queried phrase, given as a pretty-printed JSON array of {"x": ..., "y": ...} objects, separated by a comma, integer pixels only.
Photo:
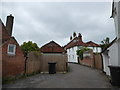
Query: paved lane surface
[{"x": 78, "y": 77}]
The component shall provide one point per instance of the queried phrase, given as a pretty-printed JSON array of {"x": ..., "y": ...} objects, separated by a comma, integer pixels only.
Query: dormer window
[{"x": 11, "y": 49}]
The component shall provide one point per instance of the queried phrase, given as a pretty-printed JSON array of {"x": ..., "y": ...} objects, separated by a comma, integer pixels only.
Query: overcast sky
[{"x": 42, "y": 22}]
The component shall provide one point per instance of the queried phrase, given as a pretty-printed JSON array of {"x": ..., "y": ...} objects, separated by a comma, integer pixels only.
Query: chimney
[
  {"x": 79, "y": 37},
  {"x": 9, "y": 24}
]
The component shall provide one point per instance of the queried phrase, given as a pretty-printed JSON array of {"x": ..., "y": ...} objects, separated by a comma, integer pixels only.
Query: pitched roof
[
  {"x": 109, "y": 45},
  {"x": 52, "y": 47},
  {"x": 92, "y": 44},
  {"x": 77, "y": 41}
]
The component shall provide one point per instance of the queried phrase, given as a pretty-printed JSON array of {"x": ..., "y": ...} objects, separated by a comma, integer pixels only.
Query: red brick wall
[
  {"x": 88, "y": 61},
  {"x": 12, "y": 65},
  {"x": 52, "y": 47},
  {"x": 94, "y": 61}
]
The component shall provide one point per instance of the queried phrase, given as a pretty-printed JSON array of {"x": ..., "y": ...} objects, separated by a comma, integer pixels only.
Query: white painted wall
[
  {"x": 117, "y": 19},
  {"x": 113, "y": 54},
  {"x": 114, "y": 50},
  {"x": 99, "y": 49},
  {"x": 117, "y": 28},
  {"x": 72, "y": 55},
  {"x": 106, "y": 63},
  {"x": 95, "y": 49},
  {"x": 110, "y": 57}
]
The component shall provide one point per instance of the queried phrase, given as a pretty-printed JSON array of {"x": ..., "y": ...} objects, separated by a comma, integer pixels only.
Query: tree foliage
[
  {"x": 29, "y": 46},
  {"x": 81, "y": 51}
]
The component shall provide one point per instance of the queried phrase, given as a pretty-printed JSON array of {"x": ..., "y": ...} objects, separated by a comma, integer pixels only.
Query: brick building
[
  {"x": 53, "y": 53},
  {"x": 12, "y": 55},
  {"x": 52, "y": 47}
]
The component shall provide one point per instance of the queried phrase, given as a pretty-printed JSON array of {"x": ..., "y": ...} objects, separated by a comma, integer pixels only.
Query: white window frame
[
  {"x": 14, "y": 49},
  {"x": 73, "y": 56},
  {"x": 73, "y": 48}
]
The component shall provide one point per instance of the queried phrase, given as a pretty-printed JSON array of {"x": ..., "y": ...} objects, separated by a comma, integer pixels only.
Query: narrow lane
[{"x": 78, "y": 77}]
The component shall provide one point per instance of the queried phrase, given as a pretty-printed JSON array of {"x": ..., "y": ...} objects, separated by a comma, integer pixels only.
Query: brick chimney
[
  {"x": 79, "y": 37},
  {"x": 9, "y": 24}
]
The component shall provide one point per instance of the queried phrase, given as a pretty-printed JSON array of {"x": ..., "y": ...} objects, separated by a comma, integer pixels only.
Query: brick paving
[{"x": 78, "y": 77}]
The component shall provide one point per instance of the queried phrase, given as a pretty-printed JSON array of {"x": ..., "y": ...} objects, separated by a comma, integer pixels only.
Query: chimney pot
[{"x": 79, "y": 37}]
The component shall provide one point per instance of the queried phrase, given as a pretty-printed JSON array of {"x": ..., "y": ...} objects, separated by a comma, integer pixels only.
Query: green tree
[
  {"x": 81, "y": 51},
  {"x": 29, "y": 46},
  {"x": 105, "y": 43}
]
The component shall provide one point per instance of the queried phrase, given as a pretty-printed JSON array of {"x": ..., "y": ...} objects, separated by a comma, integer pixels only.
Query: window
[
  {"x": 73, "y": 48},
  {"x": 69, "y": 50},
  {"x": 11, "y": 49},
  {"x": 73, "y": 56},
  {"x": 69, "y": 56}
]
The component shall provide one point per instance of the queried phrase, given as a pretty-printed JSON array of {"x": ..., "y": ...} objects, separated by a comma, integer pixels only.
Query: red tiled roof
[
  {"x": 77, "y": 41},
  {"x": 52, "y": 47},
  {"x": 92, "y": 44}
]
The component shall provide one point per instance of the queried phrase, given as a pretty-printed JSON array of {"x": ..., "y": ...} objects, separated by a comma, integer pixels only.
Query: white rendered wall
[
  {"x": 113, "y": 54},
  {"x": 72, "y": 55},
  {"x": 106, "y": 63},
  {"x": 117, "y": 29},
  {"x": 99, "y": 49},
  {"x": 117, "y": 19},
  {"x": 95, "y": 49}
]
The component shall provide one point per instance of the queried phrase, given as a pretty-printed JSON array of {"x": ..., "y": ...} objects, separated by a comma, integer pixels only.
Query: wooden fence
[{"x": 37, "y": 62}]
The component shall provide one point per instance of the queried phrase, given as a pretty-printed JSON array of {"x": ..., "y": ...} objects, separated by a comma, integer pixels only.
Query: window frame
[{"x": 14, "y": 50}]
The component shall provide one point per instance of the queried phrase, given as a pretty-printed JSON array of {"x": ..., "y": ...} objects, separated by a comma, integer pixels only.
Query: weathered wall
[
  {"x": 60, "y": 59},
  {"x": 12, "y": 65},
  {"x": 106, "y": 63},
  {"x": 113, "y": 54},
  {"x": 94, "y": 60},
  {"x": 32, "y": 63},
  {"x": 98, "y": 61},
  {"x": 88, "y": 60},
  {"x": 37, "y": 62}
]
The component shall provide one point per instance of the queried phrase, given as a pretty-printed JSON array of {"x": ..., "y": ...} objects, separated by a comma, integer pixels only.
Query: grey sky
[{"x": 43, "y": 22}]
